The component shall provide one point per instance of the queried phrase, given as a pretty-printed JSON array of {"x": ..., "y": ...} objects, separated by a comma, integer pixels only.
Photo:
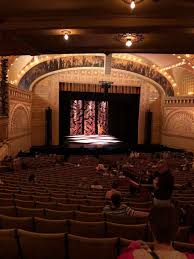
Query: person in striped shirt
[{"x": 118, "y": 208}]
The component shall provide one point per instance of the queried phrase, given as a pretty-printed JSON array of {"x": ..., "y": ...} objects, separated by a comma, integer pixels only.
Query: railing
[
  {"x": 179, "y": 101},
  {"x": 16, "y": 93}
]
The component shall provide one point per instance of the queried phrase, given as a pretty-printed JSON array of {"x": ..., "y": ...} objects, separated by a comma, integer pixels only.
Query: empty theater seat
[
  {"x": 26, "y": 212},
  {"x": 41, "y": 246},
  {"x": 131, "y": 232},
  {"x": 50, "y": 226},
  {"x": 95, "y": 248},
  {"x": 87, "y": 229},
  {"x": 9, "y": 246},
  {"x": 25, "y": 223},
  {"x": 55, "y": 214},
  {"x": 92, "y": 217}
]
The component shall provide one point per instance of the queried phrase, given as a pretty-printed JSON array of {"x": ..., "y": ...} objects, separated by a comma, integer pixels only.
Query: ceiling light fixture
[
  {"x": 129, "y": 38},
  {"x": 132, "y": 3},
  {"x": 129, "y": 43},
  {"x": 66, "y": 34}
]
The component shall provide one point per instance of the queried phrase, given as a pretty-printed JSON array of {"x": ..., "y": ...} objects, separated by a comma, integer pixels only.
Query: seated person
[
  {"x": 115, "y": 186},
  {"x": 96, "y": 186},
  {"x": 100, "y": 169},
  {"x": 163, "y": 225},
  {"x": 31, "y": 178},
  {"x": 84, "y": 184},
  {"x": 117, "y": 208}
]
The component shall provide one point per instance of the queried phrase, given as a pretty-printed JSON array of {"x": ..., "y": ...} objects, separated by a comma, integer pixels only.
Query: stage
[{"x": 92, "y": 141}]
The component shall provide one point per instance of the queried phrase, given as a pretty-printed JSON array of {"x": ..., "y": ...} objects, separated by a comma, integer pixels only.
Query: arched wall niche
[
  {"x": 178, "y": 127},
  {"x": 19, "y": 128}
]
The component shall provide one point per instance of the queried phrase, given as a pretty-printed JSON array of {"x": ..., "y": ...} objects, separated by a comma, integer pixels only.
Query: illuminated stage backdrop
[
  {"x": 103, "y": 118},
  {"x": 88, "y": 117},
  {"x": 76, "y": 117}
]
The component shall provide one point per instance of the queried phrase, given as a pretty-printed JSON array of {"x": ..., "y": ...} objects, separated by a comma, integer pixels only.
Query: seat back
[
  {"x": 8, "y": 211},
  {"x": 87, "y": 229},
  {"x": 132, "y": 232},
  {"x": 125, "y": 219},
  {"x": 8, "y": 248},
  {"x": 39, "y": 246},
  {"x": 26, "y": 212},
  {"x": 50, "y": 226},
  {"x": 95, "y": 248},
  {"x": 55, "y": 214},
  {"x": 24, "y": 204},
  {"x": 89, "y": 217},
  {"x": 25, "y": 223},
  {"x": 46, "y": 205}
]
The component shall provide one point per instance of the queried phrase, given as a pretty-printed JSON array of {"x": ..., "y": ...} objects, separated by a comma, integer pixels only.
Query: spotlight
[
  {"x": 66, "y": 36},
  {"x": 128, "y": 43},
  {"x": 132, "y": 4}
]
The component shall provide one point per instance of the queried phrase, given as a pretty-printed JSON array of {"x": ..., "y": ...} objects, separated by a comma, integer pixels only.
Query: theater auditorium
[{"x": 97, "y": 129}]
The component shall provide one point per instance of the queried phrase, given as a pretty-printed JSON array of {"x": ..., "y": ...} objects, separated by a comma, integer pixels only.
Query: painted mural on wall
[
  {"x": 144, "y": 71},
  {"x": 58, "y": 64},
  {"x": 93, "y": 61}
]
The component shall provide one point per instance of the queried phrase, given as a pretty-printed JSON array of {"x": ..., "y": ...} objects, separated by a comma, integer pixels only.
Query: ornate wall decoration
[
  {"x": 58, "y": 64},
  {"x": 19, "y": 121},
  {"x": 146, "y": 71},
  {"x": 3, "y": 87},
  {"x": 180, "y": 123}
]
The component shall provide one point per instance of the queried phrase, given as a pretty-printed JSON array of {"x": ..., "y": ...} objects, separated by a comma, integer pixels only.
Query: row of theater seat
[
  {"x": 87, "y": 229},
  {"x": 77, "y": 215},
  {"x": 21, "y": 244},
  {"x": 71, "y": 203}
]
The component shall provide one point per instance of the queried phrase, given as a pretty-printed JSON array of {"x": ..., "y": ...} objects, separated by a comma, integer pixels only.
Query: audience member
[
  {"x": 118, "y": 208},
  {"x": 115, "y": 186},
  {"x": 163, "y": 183},
  {"x": 163, "y": 225},
  {"x": 84, "y": 184},
  {"x": 31, "y": 178},
  {"x": 100, "y": 169},
  {"x": 96, "y": 186}
]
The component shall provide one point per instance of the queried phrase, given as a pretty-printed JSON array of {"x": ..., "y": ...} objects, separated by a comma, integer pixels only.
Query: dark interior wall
[
  {"x": 123, "y": 117},
  {"x": 123, "y": 113}
]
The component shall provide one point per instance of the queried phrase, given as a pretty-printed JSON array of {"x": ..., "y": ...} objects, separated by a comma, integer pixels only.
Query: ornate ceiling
[{"x": 36, "y": 27}]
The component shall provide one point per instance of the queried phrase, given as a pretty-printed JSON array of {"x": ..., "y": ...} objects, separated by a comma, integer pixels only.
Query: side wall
[
  {"x": 46, "y": 93},
  {"x": 19, "y": 128},
  {"x": 178, "y": 125}
]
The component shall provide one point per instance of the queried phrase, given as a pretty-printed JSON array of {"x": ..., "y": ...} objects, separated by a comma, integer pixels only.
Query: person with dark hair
[
  {"x": 163, "y": 183},
  {"x": 31, "y": 178},
  {"x": 163, "y": 223},
  {"x": 114, "y": 189},
  {"x": 118, "y": 208}
]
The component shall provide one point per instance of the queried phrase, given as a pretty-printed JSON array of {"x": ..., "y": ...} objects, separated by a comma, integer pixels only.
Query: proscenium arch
[
  {"x": 140, "y": 77},
  {"x": 91, "y": 61}
]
